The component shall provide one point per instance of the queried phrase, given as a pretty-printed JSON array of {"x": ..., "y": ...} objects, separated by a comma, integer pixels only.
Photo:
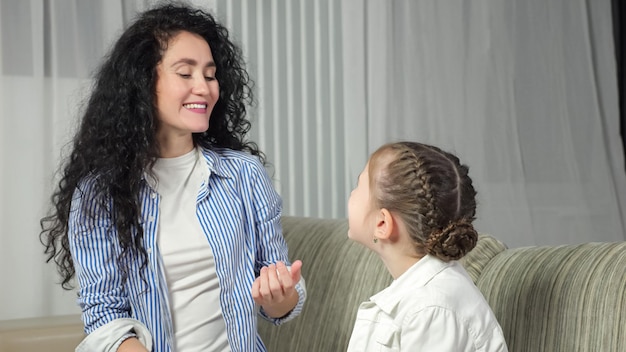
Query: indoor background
[{"x": 523, "y": 91}]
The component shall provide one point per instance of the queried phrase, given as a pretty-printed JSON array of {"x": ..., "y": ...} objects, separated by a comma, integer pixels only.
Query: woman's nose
[{"x": 200, "y": 86}]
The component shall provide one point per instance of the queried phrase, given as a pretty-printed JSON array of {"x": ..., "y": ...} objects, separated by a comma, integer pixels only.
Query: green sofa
[{"x": 550, "y": 298}]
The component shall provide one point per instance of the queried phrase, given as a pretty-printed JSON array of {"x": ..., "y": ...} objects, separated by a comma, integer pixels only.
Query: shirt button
[
  {"x": 153, "y": 195},
  {"x": 151, "y": 218},
  {"x": 149, "y": 250}
]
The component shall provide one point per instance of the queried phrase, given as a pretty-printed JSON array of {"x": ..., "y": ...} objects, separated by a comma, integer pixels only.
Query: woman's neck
[{"x": 173, "y": 147}]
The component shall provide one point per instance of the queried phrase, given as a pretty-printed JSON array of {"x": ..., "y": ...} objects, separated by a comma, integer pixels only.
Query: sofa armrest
[{"x": 486, "y": 249}]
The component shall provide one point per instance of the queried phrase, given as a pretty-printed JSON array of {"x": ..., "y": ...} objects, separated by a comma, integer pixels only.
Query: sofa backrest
[
  {"x": 559, "y": 298},
  {"x": 339, "y": 274},
  {"x": 547, "y": 299}
]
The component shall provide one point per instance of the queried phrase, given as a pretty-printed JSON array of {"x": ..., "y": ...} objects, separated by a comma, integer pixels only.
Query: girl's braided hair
[{"x": 430, "y": 190}]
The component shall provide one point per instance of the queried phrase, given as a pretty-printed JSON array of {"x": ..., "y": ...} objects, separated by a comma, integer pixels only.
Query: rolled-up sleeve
[{"x": 94, "y": 253}]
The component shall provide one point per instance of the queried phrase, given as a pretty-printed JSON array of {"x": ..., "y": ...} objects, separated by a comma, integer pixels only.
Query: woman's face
[{"x": 186, "y": 89}]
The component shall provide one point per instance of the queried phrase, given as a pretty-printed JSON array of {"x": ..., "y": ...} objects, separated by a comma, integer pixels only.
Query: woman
[{"x": 164, "y": 212}]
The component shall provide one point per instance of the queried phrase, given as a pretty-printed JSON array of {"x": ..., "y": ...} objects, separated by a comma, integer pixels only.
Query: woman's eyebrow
[{"x": 193, "y": 62}]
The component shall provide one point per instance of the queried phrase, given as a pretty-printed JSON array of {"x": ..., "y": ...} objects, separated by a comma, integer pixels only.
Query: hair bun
[{"x": 452, "y": 242}]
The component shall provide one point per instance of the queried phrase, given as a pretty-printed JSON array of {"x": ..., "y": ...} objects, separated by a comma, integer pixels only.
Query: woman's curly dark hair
[{"x": 116, "y": 140}]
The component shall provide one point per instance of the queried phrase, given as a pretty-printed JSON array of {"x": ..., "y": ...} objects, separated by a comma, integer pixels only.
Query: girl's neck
[{"x": 398, "y": 263}]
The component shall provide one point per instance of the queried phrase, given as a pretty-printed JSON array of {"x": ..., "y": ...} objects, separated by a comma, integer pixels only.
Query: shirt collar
[
  {"x": 418, "y": 275},
  {"x": 214, "y": 162}
]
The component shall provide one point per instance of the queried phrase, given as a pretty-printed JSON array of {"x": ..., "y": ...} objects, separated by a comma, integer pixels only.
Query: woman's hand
[{"x": 275, "y": 288}]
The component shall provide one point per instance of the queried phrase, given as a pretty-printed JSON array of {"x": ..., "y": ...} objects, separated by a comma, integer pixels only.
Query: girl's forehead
[{"x": 379, "y": 160}]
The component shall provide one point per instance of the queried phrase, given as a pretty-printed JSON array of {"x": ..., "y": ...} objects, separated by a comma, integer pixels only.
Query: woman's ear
[{"x": 385, "y": 224}]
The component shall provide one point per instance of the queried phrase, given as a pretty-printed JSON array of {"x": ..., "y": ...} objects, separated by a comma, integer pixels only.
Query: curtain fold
[{"x": 293, "y": 49}]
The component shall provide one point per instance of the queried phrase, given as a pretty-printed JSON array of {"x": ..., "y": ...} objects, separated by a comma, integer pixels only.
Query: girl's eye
[
  {"x": 209, "y": 78},
  {"x": 184, "y": 75}
]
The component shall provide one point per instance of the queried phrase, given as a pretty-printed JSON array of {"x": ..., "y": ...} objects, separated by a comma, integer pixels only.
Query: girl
[{"x": 413, "y": 206}]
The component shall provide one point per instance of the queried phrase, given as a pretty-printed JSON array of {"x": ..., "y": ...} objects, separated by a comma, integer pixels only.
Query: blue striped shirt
[{"x": 239, "y": 212}]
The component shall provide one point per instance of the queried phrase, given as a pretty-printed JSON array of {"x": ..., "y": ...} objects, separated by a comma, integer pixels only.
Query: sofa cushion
[{"x": 564, "y": 298}]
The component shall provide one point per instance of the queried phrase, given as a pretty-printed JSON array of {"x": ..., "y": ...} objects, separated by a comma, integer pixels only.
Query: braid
[
  {"x": 424, "y": 193},
  {"x": 430, "y": 216}
]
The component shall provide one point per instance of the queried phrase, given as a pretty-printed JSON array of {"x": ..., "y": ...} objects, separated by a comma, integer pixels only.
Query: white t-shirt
[
  {"x": 433, "y": 306},
  {"x": 187, "y": 257}
]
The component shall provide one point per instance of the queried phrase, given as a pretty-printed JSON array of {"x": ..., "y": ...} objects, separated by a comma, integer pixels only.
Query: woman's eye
[
  {"x": 184, "y": 75},
  {"x": 209, "y": 78}
]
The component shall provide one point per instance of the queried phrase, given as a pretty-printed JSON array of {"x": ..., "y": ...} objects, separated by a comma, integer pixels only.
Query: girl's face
[
  {"x": 360, "y": 213},
  {"x": 186, "y": 89}
]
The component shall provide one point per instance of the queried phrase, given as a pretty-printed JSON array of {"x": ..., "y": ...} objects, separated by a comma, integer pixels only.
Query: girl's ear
[{"x": 384, "y": 224}]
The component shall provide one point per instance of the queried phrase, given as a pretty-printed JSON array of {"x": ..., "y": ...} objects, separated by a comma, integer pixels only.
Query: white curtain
[
  {"x": 525, "y": 92},
  {"x": 293, "y": 48}
]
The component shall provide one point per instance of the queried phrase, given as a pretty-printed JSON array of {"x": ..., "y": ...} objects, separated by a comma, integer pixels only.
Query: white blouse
[{"x": 433, "y": 306}]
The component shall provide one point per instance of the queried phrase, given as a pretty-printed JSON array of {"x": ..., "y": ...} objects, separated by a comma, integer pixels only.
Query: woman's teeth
[{"x": 195, "y": 106}]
